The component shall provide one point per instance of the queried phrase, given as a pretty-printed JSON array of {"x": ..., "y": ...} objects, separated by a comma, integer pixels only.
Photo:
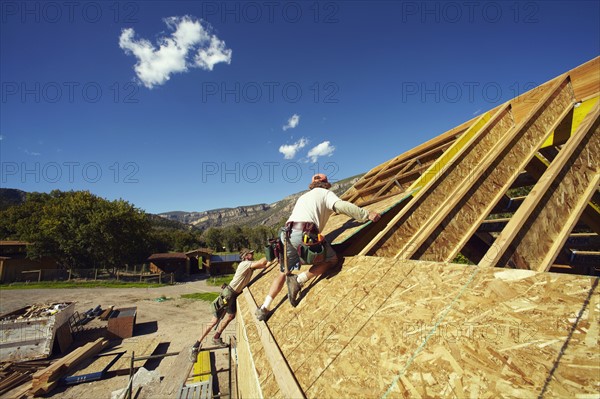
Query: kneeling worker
[{"x": 225, "y": 304}]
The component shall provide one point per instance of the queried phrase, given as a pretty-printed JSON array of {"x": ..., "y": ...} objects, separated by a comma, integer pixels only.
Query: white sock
[
  {"x": 267, "y": 303},
  {"x": 302, "y": 278}
]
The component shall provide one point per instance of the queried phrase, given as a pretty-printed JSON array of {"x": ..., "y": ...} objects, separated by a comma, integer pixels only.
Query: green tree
[
  {"x": 214, "y": 238},
  {"x": 79, "y": 229}
]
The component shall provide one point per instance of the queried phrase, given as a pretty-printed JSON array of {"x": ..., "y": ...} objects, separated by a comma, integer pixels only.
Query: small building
[
  {"x": 199, "y": 260},
  {"x": 15, "y": 266},
  {"x": 172, "y": 262},
  {"x": 223, "y": 264}
]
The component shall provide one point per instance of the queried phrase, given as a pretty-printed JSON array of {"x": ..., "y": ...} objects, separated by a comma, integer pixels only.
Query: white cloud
[
  {"x": 292, "y": 122},
  {"x": 321, "y": 150},
  {"x": 289, "y": 150},
  {"x": 215, "y": 53},
  {"x": 189, "y": 46},
  {"x": 33, "y": 154}
]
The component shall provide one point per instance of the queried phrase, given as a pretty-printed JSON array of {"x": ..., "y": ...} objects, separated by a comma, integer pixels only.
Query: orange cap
[{"x": 319, "y": 177}]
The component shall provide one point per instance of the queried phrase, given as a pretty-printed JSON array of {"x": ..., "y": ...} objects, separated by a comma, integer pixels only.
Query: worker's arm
[
  {"x": 355, "y": 212},
  {"x": 259, "y": 264}
]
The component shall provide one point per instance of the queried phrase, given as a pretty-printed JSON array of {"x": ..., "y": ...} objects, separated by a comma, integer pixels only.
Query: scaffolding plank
[
  {"x": 455, "y": 172},
  {"x": 459, "y": 218}
]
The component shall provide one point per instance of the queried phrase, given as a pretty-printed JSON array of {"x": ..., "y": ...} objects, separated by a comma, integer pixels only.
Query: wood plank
[
  {"x": 397, "y": 233},
  {"x": 466, "y": 208},
  {"x": 177, "y": 374},
  {"x": 583, "y": 242},
  {"x": 573, "y": 162},
  {"x": 284, "y": 376},
  {"x": 249, "y": 385}
]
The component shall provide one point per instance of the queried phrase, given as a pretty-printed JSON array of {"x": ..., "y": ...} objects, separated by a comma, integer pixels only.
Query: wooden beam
[
  {"x": 390, "y": 181},
  {"x": 583, "y": 242},
  {"x": 508, "y": 204},
  {"x": 493, "y": 225},
  {"x": 455, "y": 172},
  {"x": 288, "y": 385},
  {"x": 523, "y": 180},
  {"x": 467, "y": 207},
  {"x": 541, "y": 226}
]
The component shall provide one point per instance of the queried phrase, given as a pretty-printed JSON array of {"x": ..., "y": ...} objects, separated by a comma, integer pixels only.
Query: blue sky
[{"x": 196, "y": 105}]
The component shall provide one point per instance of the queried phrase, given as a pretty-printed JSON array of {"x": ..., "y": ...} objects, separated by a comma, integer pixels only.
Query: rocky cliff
[{"x": 261, "y": 214}]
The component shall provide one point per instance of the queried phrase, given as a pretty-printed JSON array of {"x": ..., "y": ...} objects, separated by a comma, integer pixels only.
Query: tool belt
[
  {"x": 227, "y": 296},
  {"x": 312, "y": 249},
  {"x": 274, "y": 250}
]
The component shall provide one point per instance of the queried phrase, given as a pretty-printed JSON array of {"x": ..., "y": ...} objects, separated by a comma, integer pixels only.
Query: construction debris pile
[
  {"x": 34, "y": 311},
  {"x": 33, "y": 333}
]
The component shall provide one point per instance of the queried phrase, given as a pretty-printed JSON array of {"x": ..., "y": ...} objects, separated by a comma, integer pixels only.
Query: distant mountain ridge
[
  {"x": 247, "y": 215},
  {"x": 10, "y": 197},
  {"x": 259, "y": 214}
]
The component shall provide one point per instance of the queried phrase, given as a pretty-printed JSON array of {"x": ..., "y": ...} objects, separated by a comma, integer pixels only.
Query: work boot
[
  {"x": 193, "y": 354},
  {"x": 262, "y": 314},
  {"x": 218, "y": 341},
  {"x": 293, "y": 289}
]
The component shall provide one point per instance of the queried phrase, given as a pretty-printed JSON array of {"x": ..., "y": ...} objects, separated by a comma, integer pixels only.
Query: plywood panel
[
  {"x": 491, "y": 184},
  {"x": 393, "y": 331},
  {"x": 456, "y": 331},
  {"x": 344, "y": 323}
]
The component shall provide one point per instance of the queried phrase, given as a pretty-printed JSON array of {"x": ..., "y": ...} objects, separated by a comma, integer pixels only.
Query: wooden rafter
[
  {"x": 454, "y": 174},
  {"x": 540, "y": 227},
  {"x": 467, "y": 207}
]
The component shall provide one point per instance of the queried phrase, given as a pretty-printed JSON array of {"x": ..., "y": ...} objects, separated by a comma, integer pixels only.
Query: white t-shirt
[
  {"x": 243, "y": 275},
  {"x": 314, "y": 206}
]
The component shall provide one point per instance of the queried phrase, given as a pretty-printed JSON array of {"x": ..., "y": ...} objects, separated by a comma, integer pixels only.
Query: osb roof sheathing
[{"x": 408, "y": 328}]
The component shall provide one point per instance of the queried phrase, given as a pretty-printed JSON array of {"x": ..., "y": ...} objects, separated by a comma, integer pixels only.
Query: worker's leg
[
  {"x": 277, "y": 285},
  {"x": 193, "y": 352},
  {"x": 226, "y": 320},
  {"x": 279, "y": 281},
  {"x": 207, "y": 328},
  {"x": 230, "y": 315}
]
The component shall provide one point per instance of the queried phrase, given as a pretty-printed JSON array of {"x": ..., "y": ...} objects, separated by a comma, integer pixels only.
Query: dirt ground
[{"x": 175, "y": 323}]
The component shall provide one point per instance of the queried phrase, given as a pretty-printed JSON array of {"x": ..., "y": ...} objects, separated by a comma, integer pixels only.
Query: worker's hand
[{"x": 374, "y": 216}]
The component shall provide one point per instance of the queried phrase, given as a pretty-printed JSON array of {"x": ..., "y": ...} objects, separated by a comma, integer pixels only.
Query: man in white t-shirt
[
  {"x": 225, "y": 304},
  {"x": 310, "y": 215}
]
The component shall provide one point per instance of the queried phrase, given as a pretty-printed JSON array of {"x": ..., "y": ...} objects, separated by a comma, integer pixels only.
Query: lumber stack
[
  {"x": 47, "y": 379},
  {"x": 15, "y": 374}
]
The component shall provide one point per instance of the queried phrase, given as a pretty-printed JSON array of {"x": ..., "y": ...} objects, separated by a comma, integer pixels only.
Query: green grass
[
  {"x": 219, "y": 280},
  {"x": 202, "y": 296},
  {"x": 78, "y": 284}
]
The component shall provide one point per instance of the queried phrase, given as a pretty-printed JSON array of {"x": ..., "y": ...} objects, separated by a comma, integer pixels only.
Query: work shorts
[{"x": 226, "y": 302}]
